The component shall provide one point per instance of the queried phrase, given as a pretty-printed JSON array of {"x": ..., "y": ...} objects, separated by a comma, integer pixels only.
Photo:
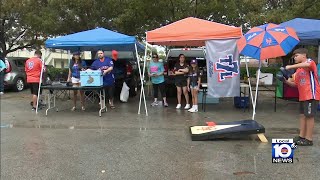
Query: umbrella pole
[
  {"x": 261, "y": 136},
  {"x": 256, "y": 93},
  {"x": 249, "y": 81}
]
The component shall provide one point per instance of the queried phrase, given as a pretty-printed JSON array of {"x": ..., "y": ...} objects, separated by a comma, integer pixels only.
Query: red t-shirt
[
  {"x": 33, "y": 68},
  {"x": 307, "y": 82}
]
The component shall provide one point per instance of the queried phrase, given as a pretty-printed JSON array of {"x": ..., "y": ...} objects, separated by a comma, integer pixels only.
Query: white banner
[{"x": 223, "y": 68}]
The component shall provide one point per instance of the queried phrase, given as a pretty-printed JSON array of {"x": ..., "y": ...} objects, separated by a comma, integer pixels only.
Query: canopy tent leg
[
  {"x": 41, "y": 74},
  {"x": 319, "y": 52},
  {"x": 141, "y": 80},
  {"x": 69, "y": 59}
]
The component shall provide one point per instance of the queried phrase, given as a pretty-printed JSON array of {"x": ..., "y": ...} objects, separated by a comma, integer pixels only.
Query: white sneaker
[
  {"x": 191, "y": 109},
  {"x": 155, "y": 103},
  {"x": 187, "y": 106},
  {"x": 178, "y": 106},
  {"x": 194, "y": 110},
  {"x": 1, "y": 93}
]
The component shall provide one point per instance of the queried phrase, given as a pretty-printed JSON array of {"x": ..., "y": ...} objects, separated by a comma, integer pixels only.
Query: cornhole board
[{"x": 228, "y": 130}]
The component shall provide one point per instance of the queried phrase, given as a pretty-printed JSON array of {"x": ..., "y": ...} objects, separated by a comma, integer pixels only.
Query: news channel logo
[{"x": 283, "y": 150}]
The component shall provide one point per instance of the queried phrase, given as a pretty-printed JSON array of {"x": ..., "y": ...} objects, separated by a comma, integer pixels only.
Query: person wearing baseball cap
[
  {"x": 306, "y": 80},
  {"x": 193, "y": 84},
  {"x": 76, "y": 65},
  {"x": 114, "y": 55},
  {"x": 155, "y": 72}
]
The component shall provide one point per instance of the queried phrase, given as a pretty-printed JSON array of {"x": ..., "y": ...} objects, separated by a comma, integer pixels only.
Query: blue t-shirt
[
  {"x": 108, "y": 79},
  {"x": 75, "y": 69},
  {"x": 156, "y": 68}
]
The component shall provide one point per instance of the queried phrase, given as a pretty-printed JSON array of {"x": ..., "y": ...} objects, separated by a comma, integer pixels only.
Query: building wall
[{"x": 57, "y": 58}]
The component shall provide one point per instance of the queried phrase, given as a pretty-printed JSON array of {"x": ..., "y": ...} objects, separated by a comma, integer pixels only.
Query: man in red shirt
[
  {"x": 33, "y": 69},
  {"x": 306, "y": 80}
]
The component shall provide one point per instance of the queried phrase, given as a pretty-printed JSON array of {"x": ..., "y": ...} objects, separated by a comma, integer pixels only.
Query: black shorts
[
  {"x": 181, "y": 82},
  {"x": 34, "y": 87},
  {"x": 309, "y": 107},
  {"x": 109, "y": 90}
]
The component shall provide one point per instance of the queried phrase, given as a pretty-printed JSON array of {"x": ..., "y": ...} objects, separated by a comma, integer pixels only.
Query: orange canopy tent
[
  {"x": 191, "y": 32},
  {"x": 187, "y": 32}
]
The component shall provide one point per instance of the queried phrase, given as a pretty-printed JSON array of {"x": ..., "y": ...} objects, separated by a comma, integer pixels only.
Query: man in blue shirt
[{"x": 105, "y": 64}]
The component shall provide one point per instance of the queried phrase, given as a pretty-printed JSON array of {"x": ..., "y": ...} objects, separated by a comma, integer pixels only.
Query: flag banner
[{"x": 223, "y": 68}]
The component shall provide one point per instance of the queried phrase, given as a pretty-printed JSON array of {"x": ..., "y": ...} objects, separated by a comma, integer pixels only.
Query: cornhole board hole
[{"x": 228, "y": 130}]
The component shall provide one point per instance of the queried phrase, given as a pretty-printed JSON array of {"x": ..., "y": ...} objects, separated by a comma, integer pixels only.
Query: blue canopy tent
[
  {"x": 95, "y": 39},
  {"x": 98, "y": 39},
  {"x": 308, "y": 31}
]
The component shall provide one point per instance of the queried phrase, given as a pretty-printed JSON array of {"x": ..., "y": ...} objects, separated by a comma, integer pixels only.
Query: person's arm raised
[{"x": 299, "y": 65}]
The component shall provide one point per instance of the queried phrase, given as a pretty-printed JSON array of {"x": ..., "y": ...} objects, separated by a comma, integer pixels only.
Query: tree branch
[
  {"x": 14, "y": 41},
  {"x": 21, "y": 34},
  {"x": 20, "y": 47}
]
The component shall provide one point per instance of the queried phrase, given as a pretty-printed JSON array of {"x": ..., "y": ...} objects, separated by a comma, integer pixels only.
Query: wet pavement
[{"x": 124, "y": 145}]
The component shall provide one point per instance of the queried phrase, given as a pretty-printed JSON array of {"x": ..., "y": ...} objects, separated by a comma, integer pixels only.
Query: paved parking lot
[{"x": 124, "y": 145}]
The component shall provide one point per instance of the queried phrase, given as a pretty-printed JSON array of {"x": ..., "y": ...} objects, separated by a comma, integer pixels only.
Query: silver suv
[{"x": 15, "y": 76}]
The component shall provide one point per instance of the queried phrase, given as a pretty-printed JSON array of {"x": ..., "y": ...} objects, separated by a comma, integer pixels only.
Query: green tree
[
  {"x": 27, "y": 23},
  {"x": 18, "y": 29}
]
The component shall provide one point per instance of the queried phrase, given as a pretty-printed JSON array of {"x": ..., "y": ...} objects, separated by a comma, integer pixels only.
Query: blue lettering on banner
[{"x": 226, "y": 68}]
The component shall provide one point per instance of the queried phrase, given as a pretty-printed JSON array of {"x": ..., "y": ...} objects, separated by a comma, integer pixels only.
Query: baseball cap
[
  {"x": 114, "y": 52},
  {"x": 194, "y": 61},
  {"x": 76, "y": 53}
]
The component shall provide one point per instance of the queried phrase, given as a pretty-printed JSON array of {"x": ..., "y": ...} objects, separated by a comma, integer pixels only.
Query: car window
[{"x": 20, "y": 63}]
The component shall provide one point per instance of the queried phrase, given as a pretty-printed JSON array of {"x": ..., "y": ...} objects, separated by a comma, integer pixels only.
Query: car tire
[{"x": 19, "y": 85}]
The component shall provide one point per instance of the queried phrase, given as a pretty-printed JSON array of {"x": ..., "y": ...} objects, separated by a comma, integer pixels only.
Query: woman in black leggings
[{"x": 155, "y": 71}]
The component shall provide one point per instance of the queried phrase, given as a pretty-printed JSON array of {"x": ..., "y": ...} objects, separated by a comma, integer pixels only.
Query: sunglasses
[{"x": 154, "y": 57}]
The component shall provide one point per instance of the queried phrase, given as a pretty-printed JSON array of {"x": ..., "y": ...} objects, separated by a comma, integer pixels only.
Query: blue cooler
[{"x": 91, "y": 78}]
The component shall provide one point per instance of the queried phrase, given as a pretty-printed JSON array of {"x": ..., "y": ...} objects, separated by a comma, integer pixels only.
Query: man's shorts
[
  {"x": 181, "y": 83},
  {"x": 309, "y": 107},
  {"x": 109, "y": 90},
  {"x": 34, "y": 87}
]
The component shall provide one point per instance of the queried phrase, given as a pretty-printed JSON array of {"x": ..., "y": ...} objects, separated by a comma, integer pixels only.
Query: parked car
[
  {"x": 125, "y": 69},
  {"x": 172, "y": 59},
  {"x": 15, "y": 77}
]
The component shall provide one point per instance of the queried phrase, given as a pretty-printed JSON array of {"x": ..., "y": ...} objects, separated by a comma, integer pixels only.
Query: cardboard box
[{"x": 91, "y": 78}]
